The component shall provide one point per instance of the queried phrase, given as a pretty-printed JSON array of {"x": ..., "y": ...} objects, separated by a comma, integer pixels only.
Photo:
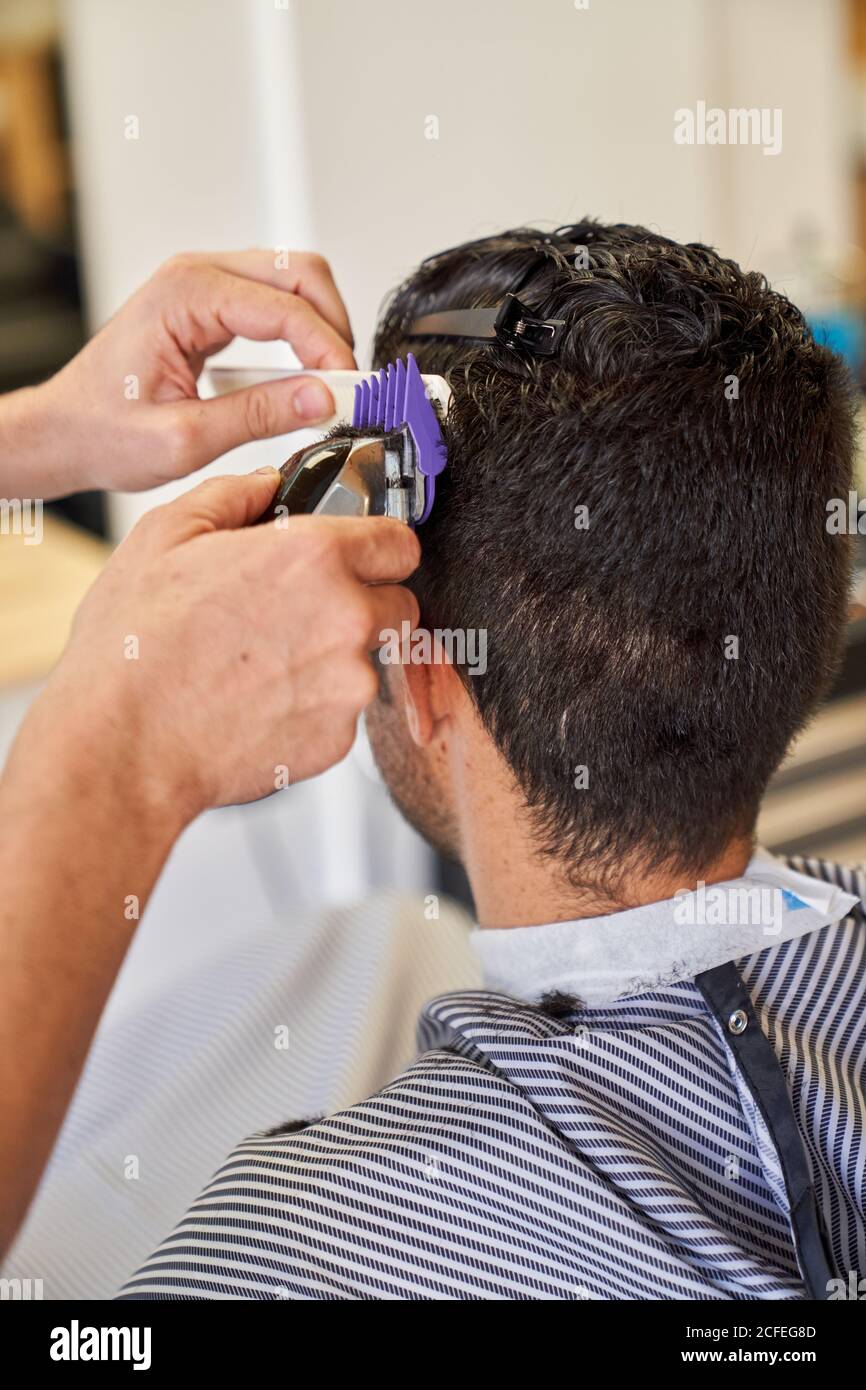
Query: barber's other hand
[
  {"x": 232, "y": 660},
  {"x": 125, "y": 414}
]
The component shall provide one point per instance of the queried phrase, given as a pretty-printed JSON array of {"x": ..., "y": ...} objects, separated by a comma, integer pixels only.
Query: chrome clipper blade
[{"x": 388, "y": 473}]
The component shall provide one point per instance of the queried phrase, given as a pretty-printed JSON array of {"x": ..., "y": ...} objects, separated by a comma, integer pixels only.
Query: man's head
[{"x": 639, "y": 524}]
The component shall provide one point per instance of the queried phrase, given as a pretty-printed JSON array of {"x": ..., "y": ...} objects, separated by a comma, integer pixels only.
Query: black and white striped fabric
[{"x": 611, "y": 1153}]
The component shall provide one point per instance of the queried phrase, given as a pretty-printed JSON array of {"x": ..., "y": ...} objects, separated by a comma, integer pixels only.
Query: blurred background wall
[
  {"x": 308, "y": 122},
  {"x": 379, "y": 133}
]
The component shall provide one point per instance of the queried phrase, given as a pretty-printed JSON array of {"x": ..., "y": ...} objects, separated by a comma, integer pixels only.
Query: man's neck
[
  {"x": 526, "y": 891},
  {"x": 515, "y": 884}
]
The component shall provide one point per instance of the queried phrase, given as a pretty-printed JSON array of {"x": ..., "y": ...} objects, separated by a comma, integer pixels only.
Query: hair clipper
[{"x": 388, "y": 473}]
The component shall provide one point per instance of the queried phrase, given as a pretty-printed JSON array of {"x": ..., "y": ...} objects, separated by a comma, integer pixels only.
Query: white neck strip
[{"x": 599, "y": 959}]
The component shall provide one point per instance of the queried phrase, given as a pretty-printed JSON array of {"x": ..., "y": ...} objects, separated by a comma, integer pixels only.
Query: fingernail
[
  {"x": 312, "y": 401},
  {"x": 267, "y": 469}
]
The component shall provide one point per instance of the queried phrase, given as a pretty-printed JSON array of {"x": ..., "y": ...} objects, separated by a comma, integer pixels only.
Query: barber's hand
[
  {"x": 232, "y": 660},
  {"x": 124, "y": 413}
]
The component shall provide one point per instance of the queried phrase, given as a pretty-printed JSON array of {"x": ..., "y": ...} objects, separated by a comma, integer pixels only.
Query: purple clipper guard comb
[{"x": 395, "y": 398}]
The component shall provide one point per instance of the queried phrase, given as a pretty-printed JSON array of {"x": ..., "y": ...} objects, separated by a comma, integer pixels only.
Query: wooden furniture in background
[{"x": 40, "y": 588}]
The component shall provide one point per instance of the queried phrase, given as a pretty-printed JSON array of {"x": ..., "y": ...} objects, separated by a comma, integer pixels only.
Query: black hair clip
[{"x": 511, "y": 323}]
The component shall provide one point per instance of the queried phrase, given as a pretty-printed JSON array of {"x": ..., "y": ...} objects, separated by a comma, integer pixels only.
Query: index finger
[
  {"x": 375, "y": 549},
  {"x": 378, "y": 548},
  {"x": 251, "y": 309},
  {"x": 298, "y": 272}
]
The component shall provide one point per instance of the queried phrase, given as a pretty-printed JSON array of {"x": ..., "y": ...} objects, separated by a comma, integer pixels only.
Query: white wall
[
  {"x": 202, "y": 173},
  {"x": 545, "y": 113},
  {"x": 786, "y": 54},
  {"x": 302, "y": 122},
  {"x": 219, "y": 158}
]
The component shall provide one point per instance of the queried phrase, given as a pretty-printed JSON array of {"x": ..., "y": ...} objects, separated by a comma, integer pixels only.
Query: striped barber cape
[{"x": 661, "y": 1104}]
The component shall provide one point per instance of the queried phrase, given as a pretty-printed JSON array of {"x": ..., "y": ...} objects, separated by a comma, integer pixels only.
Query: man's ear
[{"x": 426, "y": 692}]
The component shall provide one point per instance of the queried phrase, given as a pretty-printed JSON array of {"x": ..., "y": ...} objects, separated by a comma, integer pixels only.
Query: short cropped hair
[{"x": 674, "y": 636}]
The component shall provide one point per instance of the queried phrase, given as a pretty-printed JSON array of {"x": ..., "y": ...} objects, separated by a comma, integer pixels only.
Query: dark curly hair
[{"x": 691, "y": 412}]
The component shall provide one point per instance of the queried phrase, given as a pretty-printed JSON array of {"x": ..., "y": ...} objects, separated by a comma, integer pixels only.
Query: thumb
[{"x": 211, "y": 428}]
